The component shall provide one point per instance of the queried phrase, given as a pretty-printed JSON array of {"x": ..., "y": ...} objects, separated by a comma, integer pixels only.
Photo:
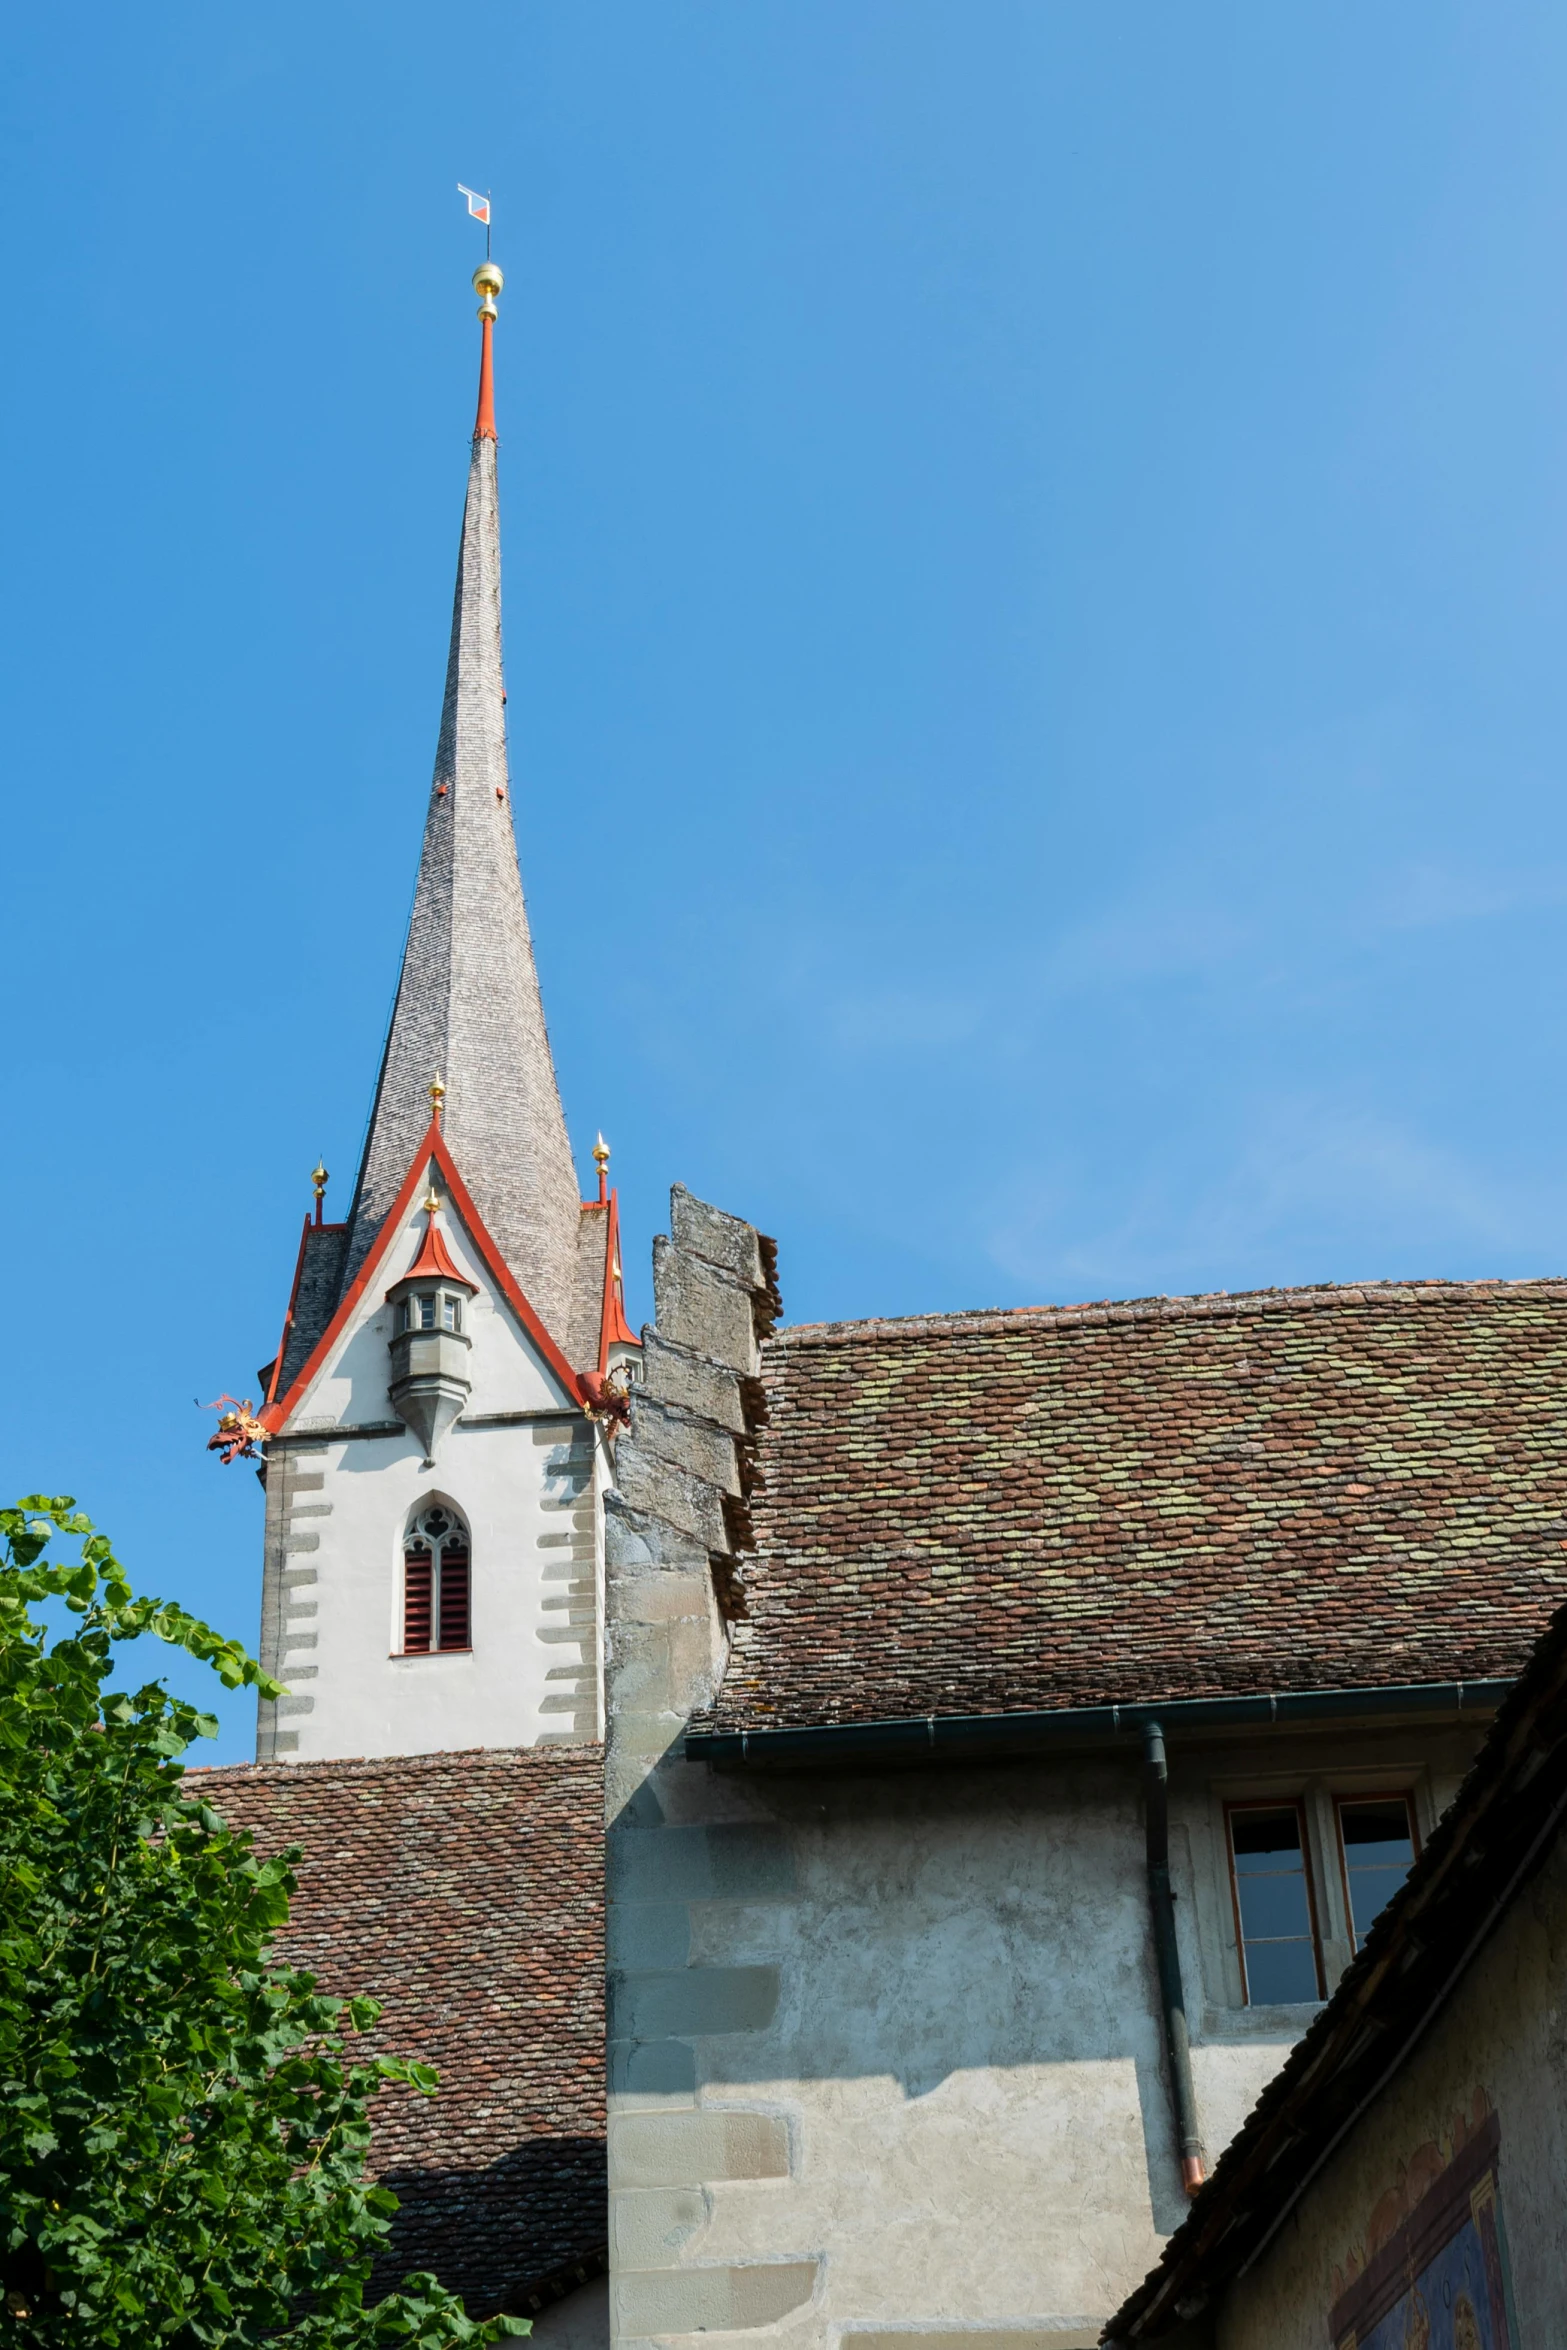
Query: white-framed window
[{"x": 441, "y": 1311}]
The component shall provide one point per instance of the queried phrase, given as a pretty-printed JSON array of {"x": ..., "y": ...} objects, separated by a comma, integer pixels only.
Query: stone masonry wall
[{"x": 673, "y": 1523}]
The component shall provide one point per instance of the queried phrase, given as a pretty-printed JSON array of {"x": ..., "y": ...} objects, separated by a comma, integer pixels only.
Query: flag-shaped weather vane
[{"x": 478, "y": 209}]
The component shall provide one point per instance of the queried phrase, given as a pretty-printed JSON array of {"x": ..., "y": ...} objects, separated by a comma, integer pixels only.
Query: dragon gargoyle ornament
[{"x": 238, "y": 1431}]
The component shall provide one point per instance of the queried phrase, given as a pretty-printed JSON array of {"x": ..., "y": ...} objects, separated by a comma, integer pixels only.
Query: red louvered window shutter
[
  {"x": 418, "y": 1593},
  {"x": 454, "y": 1595}
]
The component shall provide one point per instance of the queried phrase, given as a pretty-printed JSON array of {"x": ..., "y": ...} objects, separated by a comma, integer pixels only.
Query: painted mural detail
[{"x": 1435, "y": 2279}]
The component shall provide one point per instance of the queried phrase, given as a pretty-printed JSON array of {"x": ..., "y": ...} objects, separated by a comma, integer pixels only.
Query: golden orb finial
[
  {"x": 487, "y": 283},
  {"x": 431, "y": 1201},
  {"x": 601, "y": 1161},
  {"x": 437, "y": 1095},
  {"x": 319, "y": 1177}
]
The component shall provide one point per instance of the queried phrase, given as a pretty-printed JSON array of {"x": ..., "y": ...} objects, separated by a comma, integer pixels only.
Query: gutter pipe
[
  {"x": 970, "y": 1737},
  {"x": 1172, "y": 1992}
]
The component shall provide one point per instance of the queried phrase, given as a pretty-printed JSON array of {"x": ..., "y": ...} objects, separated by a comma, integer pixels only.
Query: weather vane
[{"x": 478, "y": 209}]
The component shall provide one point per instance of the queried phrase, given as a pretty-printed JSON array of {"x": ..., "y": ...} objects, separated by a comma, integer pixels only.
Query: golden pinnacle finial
[
  {"x": 487, "y": 283},
  {"x": 431, "y": 1201},
  {"x": 601, "y": 1161},
  {"x": 437, "y": 1096},
  {"x": 320, "y": 1178}
]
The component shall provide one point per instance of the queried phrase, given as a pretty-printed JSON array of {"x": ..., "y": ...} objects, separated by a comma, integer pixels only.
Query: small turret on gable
[{"x": 430, "y": 1348}]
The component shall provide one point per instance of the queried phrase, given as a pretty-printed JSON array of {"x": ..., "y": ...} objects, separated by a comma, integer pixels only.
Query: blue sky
[{"x": 1036, "y": 544}]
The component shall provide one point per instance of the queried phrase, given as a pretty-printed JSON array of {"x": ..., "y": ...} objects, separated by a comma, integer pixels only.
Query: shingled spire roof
[{"x": 468, "y": 1004}]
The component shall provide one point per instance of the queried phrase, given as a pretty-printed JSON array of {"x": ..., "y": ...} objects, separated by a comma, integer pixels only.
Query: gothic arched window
[{"x": 435, "y": 1581}]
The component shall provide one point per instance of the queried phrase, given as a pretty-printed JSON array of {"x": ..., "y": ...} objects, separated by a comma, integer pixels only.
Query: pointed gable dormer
[{"x": 468, "y": 1002}]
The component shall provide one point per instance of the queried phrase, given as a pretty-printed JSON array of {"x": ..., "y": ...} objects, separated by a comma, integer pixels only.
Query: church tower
[{"x": 439, "y": 1409}]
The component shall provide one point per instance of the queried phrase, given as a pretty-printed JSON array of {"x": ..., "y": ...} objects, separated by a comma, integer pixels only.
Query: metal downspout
[{"x": 1172, "y": 1995}]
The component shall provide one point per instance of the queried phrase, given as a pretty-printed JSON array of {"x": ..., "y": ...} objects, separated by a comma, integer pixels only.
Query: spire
[{"x": 468, "y": 1001}]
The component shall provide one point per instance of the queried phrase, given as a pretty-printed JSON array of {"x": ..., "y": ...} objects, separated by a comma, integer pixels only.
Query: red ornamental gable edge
[{"x": 432, "y": 1151}]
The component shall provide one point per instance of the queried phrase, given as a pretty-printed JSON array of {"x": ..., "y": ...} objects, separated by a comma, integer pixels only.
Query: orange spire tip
[{"x": 487, "y": 283}]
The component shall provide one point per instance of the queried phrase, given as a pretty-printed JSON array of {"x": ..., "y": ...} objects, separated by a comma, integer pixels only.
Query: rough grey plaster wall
[
  {"x": 468, "y": 999},
  {"x": 1505, "y": 2032}
]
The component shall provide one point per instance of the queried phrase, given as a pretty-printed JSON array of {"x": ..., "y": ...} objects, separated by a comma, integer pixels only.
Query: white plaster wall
[
  {"x": 530, "y": 1673},
  {"x": 526, "y": 1486},
  {"x": 1505, "y": 2033}
]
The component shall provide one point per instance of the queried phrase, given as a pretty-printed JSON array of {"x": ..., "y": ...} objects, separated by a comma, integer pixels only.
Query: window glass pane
[
  {"x": 1271, "y": 1906},
  {"x": 1262, "y": 1838},
  {"x": 449, "y": 1312},
  {"x": 1277, "y": 1972},
  {"x": 1274, "y": 1903},
  {"x": 426, "y": 1313},
  {"x": 1379, "y": 1846}
]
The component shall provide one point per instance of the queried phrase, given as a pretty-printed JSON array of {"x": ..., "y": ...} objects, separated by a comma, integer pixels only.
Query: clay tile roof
[
  {"x": 1175, "y": 1497},
  {"x": 465, "y": 1891}
]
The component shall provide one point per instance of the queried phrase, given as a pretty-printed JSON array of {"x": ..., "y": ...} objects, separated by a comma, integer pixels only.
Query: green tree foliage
[{"x": 183, "y": 2129}]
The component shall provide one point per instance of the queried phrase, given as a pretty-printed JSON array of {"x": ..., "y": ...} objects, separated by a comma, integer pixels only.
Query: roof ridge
[
  {"x": 395, "y": 1765},
  {"x": 1160, "y": 1307}
]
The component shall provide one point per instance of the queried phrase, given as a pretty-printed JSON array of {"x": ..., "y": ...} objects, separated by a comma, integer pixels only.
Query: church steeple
[{"x": 468, "y": 999}]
